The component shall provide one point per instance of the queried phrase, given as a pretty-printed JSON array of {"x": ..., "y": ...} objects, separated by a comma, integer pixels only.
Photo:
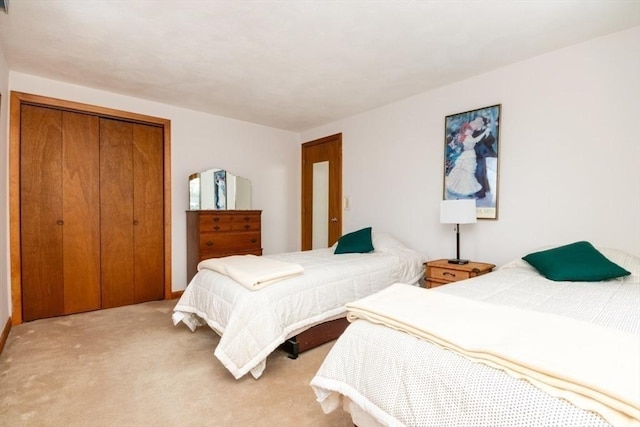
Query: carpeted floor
[{"x": 129, "y": 366}]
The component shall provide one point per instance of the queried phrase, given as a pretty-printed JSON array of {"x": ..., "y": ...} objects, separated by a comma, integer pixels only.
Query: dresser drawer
[
  {"x": 223, "y": 223},
  {"x": 223, "y": 241},
  {"x": 448, "y": 274},
  {"x": 224, "y": 227},
  {"x": 220, "y": 254}
]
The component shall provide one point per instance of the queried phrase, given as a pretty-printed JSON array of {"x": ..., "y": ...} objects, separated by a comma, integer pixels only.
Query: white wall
[
  {"x": 5, "y": 284},
  {"x": 569, "y": 156},
  {"x": 266, "y": 156}
]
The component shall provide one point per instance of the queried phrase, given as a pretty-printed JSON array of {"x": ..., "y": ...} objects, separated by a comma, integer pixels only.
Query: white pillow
[
  {"x": 629, "y": 262},
  {"x": 384, "y": 242}
]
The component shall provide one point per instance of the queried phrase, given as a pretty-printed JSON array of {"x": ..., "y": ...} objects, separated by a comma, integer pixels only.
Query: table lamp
[{"x": 461, "y": 211}]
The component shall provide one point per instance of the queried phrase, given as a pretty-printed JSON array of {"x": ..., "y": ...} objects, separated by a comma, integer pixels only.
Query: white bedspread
[
  {"x": 402, "y": 380},
  {"x": 251, "y": 271},
  {"x": 567, "y": 358},
  {"x": 254, "y": 323}
]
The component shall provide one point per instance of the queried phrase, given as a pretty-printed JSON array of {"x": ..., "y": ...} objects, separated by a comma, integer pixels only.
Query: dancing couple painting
[{"x": 471, "y": 158}]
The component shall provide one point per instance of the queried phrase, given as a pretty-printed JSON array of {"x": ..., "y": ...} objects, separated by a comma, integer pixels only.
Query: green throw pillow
[
  {"x": 358, "y": 242},
  {"x": 576, "y": 262}
]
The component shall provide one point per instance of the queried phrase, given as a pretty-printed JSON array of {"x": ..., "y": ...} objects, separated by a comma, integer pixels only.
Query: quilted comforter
[{"x": 253, "y": 323}]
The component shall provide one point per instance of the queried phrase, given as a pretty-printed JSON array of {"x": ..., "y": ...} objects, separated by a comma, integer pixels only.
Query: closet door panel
[
  {"x": 41, "y": 212},
  {"x": 116, "y": 212},
  {"x": 81, "y": 204},
  {"x": 148, "y": 196}
]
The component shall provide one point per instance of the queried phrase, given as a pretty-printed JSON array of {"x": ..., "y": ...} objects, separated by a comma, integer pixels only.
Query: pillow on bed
[
  {"x": 384, "y": 242},
  {"x": 357, "y": 242},
  {"x": 576, "y": 262}
]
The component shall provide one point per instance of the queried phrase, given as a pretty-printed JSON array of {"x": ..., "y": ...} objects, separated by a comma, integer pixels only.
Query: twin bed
[
  {"x": 579, "y": 343},
  {"x": 253, "y": 323}
]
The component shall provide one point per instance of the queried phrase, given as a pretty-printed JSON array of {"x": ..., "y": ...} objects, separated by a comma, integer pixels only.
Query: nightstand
[{"x": 440, "y": 272}]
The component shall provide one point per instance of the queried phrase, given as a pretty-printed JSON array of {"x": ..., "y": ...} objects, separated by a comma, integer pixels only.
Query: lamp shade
[{"x": 461, "y": 211}]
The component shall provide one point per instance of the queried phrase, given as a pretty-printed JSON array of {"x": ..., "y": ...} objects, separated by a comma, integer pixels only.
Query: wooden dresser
[{"x": 218, "y": 233}]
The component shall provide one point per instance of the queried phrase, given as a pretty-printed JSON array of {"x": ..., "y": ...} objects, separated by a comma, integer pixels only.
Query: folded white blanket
[
  {"x": 251, "y": 271},
  {"x": 593, "y": 367}
]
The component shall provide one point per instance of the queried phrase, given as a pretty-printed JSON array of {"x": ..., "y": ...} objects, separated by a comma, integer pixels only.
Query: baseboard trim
[
  {"x": 5, "y": 334},
  {"x": 176, "y": 294}
]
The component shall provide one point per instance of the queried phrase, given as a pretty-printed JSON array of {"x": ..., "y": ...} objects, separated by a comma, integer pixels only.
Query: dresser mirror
[{"x": 217, "y": 189}]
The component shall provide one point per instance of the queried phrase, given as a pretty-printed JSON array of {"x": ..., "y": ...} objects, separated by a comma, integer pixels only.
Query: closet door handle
[
  {"x": 60, "y": 222},
  {"x": 135, "y": 222}
]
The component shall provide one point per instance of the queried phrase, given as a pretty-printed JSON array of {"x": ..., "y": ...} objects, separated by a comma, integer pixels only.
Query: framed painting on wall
[{"x": 471, "y": 147}]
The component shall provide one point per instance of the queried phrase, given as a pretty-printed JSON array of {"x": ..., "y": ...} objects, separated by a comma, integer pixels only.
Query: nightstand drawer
[
  {"x": 448, "y": 274},
  {"x": 441, "y": 272}
]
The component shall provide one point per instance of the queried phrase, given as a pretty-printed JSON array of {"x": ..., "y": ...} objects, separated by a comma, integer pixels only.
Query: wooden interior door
[
  {"x": 81, "y": 207},
  {"x": 41, "y": 212},
  {"x": 148, "y": 218},
  {"x": 116, "y": 212},
  {"x": 328, "y": 149},
  {"x": 59, "y": 212},
  {"x": 131, "y": 176}
]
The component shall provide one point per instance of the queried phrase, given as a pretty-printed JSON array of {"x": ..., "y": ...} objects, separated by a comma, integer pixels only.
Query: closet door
[
  {"x": 59, "y": 205},
  {"x": 41, "y": 212},
  {"x": 148, "y": 207},
  {"x": 131, "y": 176},
  {"x": 81, "y": 210},
  {"x": 116, "y": 212}
]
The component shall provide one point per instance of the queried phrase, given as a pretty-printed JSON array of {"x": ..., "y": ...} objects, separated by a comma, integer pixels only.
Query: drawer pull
[
  {"x": 247, "y": 226},
  {"x": 216, "y": 218},
  {"x": 246, "y": 218},
  {"x": 254, "y": 240},
  {"x": 217, "y": 227},
  {"x": 209, "y": 243},
  {"x": 446, "y": 273}
]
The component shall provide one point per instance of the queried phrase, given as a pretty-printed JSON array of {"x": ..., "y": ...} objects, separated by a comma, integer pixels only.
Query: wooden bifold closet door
[
  {"x": 131, "y": 213},
  {"x": 60, "y": 198},
  {"x": 91, "y": 212}
]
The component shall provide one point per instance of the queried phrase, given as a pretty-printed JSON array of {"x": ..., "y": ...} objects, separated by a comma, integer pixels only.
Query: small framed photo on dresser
[{"x": 471, "y": 147}]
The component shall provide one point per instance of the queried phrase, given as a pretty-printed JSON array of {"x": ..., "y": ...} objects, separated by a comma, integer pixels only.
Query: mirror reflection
[{"x": 217, "y": 189}]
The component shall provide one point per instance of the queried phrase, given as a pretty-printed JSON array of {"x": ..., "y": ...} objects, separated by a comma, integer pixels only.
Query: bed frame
[{"x": 314, "y": 336}]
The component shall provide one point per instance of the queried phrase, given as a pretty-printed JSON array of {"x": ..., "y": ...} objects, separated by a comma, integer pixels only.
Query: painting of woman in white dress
[{"x": 471, "y": 158}]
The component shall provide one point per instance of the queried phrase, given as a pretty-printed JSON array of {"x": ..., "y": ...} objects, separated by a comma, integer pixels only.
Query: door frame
[
  {"x": 335, "y": 191},
  {"x": 17, "y": 99}
]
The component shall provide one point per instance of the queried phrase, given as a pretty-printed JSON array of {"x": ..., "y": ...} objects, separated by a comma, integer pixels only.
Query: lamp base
[{"x": 458, "y": 261}]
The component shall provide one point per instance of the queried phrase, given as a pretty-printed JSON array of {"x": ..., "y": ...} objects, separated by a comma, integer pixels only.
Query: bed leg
[{"x": 292, "y": 347}]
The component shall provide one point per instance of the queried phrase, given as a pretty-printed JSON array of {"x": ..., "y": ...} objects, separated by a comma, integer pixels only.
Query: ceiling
[{"x": 292, "y": 64}]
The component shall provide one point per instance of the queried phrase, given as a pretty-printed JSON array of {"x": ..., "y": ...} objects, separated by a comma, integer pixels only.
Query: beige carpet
[{"x": 129, "y": 366}]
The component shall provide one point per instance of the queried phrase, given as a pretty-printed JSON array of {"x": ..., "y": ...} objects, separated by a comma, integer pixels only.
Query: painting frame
[{"x": 472, "y": 158}]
